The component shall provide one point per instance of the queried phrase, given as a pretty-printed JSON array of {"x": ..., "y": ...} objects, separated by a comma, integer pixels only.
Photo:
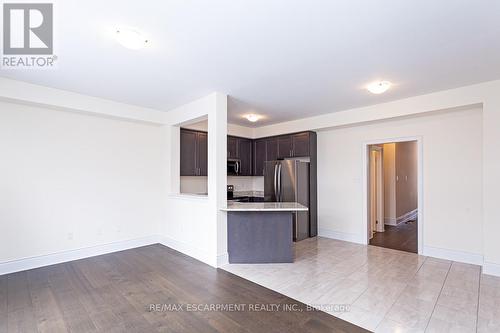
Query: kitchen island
[{"x": 261, "y": 232}]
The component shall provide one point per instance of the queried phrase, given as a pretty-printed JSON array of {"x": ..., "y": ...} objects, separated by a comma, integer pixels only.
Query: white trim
[
  {"x": 390, "y": 221},
  {"x": 187, "y": 196},
  {"x": 420, "y": 183},
  {"x": 343, "y": 236},
  {"x": 65, "y": 256},
  {"x": 454, "y": 255},
  {"x": 491, "y": 268},
  {"x": 222, "y": 259},
  {"x": 14, "y": 91},
  {"x": 87, "y": 252},
  {"x": 411, "y": 215},
  {"x": 189, "y": 250}
]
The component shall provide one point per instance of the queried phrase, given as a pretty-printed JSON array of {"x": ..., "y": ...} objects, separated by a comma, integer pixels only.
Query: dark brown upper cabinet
[
  {"x": 294, "y": 145},
  {"x": 241, "y": 149},
  {"x": 285, "y": 146},
  {"x": 232, "y": 147},
  {"x": 193, "y": 153},
  {"x": 271, "y": 149},
  {"x": 300, "y": 144},
  {"x": 202, "y": 154},
  {"x": 245, "y": 156},
  {"x": 259, "y": 156}
]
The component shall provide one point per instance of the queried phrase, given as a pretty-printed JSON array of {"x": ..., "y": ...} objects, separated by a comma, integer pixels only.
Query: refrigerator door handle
[
  {"x": 275, "y": 184},
  {"x": 279, "y": 182}
]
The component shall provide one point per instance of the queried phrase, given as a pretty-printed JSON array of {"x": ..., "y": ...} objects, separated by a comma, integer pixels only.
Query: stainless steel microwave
[{"x": 233, "y": 167}]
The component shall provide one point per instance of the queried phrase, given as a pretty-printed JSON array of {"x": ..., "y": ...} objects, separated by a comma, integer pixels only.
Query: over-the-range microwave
[{"x": 233, "y": 167}]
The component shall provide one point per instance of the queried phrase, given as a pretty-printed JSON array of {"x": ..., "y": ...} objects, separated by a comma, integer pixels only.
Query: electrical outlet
[{"x": 70, "y": 236}]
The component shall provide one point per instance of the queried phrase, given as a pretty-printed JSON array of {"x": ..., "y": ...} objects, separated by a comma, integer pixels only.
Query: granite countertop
[{"x": 264, "y": 207}]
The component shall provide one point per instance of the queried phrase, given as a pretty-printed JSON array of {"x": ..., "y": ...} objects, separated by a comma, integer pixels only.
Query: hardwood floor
[
  {"x": 402, "y": 237},
  {"x": 117, "y": 293}
]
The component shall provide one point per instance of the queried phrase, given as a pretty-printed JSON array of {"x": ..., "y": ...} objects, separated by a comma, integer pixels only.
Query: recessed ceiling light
[
  {"x": 378, "y": 87},
  {"x": 252, "y": 117},
  {"x": 131, "y": 38}
]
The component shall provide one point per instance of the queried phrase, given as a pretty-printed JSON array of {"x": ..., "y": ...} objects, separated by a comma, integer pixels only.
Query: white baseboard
[
  {"x": 76, "y": 254},
  {"x": 465, "y": 257},
  {"x": 189, "y": 250},
  {"x": 222, "y": 259},
  {"x": 491, "y": 268},
  {"x": 390, "y": 221},
  {"x": 65, "y": 256},
  {"x": 412, "y": 215},
  {"x": 344, "y": 236}
]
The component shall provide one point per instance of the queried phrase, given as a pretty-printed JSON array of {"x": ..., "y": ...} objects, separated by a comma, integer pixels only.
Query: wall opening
[{"x": 393, "y": 195}]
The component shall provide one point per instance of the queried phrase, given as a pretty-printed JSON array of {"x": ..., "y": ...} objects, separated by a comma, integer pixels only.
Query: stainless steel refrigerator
[{"x": 288, "y": 181}]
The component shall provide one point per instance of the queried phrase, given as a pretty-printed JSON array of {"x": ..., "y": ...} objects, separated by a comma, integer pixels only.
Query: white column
[
  {"x": 217, "y": 174},
  {"x": 491, "y": 183}
]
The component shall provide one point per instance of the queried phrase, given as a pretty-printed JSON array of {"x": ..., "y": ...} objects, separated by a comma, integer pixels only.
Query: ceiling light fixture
[
  {"x": 252, "y": 117},
  {"x": 378, "y": 87},
  {"x": 131, "y": 38}
]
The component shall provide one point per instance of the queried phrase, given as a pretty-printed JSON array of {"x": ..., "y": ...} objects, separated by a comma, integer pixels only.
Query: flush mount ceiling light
[
  {"x": 378, "y": 87},
  {"x": 131, "y": 38},
  {"x": 252, "y": 117}
]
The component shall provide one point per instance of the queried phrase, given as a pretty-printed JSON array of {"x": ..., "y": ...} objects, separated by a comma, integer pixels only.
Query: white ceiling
[{"x": 285, "y": 59}]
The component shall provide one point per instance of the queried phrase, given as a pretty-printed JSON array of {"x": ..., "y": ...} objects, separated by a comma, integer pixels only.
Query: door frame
[
  {"x": 379, "y": 189},
  {"x": 420, "y": 186}
]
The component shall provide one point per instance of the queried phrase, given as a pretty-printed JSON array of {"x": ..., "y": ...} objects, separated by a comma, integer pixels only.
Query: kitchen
[{"x": 271, "y": 192}]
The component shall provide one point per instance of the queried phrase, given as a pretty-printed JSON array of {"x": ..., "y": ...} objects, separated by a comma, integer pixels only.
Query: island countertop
[{"x": 264, "y": 207}]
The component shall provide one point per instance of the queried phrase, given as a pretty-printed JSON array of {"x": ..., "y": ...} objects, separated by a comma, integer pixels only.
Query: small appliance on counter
[{"x": 230, "y": 192}]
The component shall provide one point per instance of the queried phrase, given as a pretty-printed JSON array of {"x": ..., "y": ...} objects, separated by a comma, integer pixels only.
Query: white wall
[
  {"x": 195, "y": 225},
  {"x": 484, "y": 94},
  {"x": 491, "y": 184},
  {"x": 71, "y": 181},
  {"x": 406, "y": 178},
  {"x": 81, "y": 175},
  {"x": 452, "y": 158}
]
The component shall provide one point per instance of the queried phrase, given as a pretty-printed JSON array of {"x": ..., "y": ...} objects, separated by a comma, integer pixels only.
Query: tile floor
[{"x": 386, "y": 290}]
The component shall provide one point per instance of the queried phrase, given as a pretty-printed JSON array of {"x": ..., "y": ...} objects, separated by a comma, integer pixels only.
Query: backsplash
[
  {"x": 246, "y": 184},
  {"x": 199, "y": 184},
  {"x": 194, "y": 184}
]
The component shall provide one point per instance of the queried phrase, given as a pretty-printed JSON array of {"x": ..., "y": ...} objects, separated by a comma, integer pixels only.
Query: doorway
[{"x": 393, "y": 195}]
